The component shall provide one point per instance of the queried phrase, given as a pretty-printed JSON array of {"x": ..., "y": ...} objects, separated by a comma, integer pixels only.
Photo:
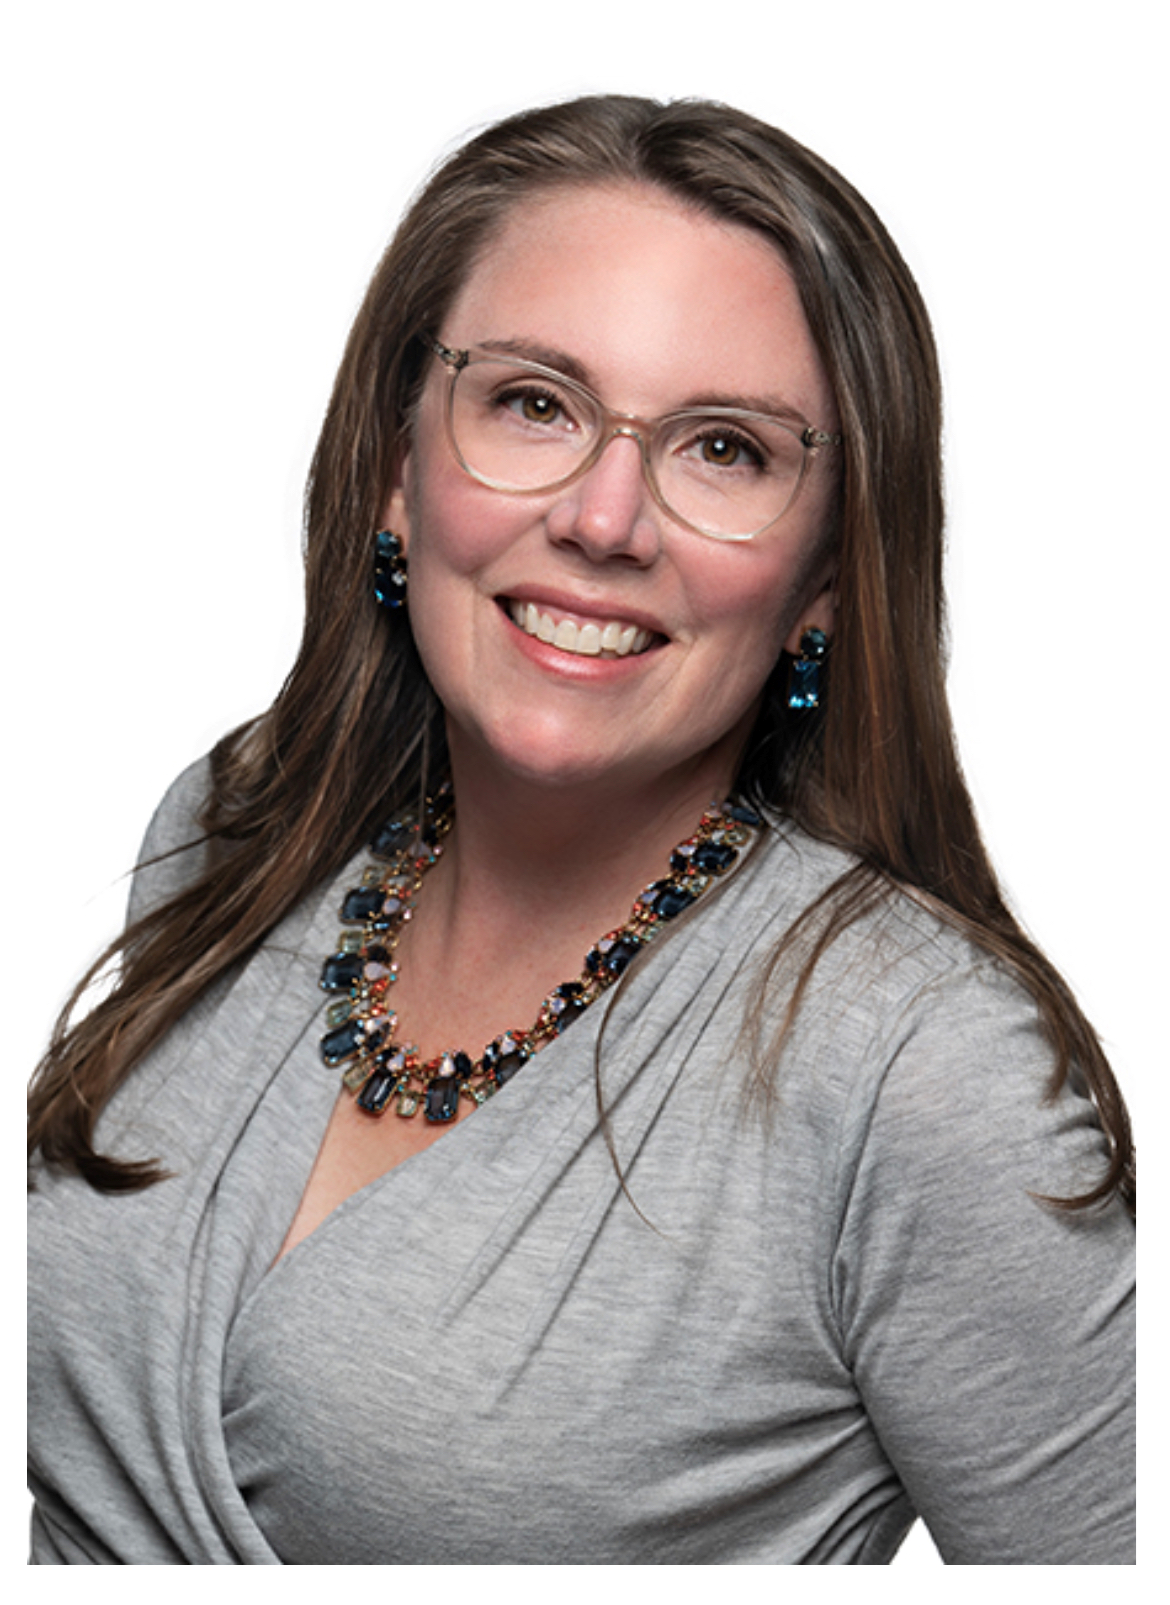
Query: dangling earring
[
  {"x": 389, "y": 570},
  {"x": 804, "y": 680}
]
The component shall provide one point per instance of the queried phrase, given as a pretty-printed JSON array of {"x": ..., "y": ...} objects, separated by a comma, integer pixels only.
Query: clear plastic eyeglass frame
[{"x": 611, "y": 426}]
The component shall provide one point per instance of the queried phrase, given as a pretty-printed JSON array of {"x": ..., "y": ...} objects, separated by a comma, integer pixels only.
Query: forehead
[{"x": 651, "y": 298}]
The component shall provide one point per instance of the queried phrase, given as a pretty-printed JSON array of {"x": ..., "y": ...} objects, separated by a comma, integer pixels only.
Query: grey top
[{"x": 808, "y": 1330}]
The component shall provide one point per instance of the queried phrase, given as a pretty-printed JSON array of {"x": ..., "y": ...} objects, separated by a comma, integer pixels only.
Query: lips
[{"x": 608, "y": 638}]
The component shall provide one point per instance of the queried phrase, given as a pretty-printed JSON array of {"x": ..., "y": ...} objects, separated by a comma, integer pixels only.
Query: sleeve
[
  {"x": 990, "y": 1333},
  {"x": 174, "y": 851}
]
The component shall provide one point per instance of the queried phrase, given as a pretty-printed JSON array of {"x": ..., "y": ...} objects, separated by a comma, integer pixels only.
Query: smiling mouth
[{"x": 611, "y": 639}]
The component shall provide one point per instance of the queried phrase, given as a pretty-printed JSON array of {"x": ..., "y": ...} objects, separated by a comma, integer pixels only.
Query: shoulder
[
  {"x": 885, "y": 944},
  {"x": 892, "y": 952},
  {"x": 174, "y": 851},
  {"x": 921, "y": 1047}
]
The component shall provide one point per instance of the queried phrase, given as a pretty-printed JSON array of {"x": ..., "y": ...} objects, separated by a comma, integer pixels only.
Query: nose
[{"x": 610, "y": 512}]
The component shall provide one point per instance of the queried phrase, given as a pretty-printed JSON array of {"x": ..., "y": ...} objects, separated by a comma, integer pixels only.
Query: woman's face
[{"x": 654, "y": 307}]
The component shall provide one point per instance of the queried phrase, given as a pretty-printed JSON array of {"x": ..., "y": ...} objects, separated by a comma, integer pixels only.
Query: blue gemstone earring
[
  {"x": 389, "y": 570},
  {"x": 804, "y": 680}
]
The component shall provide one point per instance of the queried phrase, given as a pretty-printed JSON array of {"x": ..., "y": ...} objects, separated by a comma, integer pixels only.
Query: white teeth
[{"x": 586, "y": 640}]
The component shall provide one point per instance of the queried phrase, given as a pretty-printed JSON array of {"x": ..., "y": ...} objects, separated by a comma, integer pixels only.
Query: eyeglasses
[{"x": 525, "y": 429}]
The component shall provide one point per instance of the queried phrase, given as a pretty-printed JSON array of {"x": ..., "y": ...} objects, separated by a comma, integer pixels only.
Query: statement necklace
[{"x": 378, "y": 1069}]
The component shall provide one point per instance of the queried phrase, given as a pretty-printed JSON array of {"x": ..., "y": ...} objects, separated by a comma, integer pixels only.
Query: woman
[{"x": 799, "y": 1206}]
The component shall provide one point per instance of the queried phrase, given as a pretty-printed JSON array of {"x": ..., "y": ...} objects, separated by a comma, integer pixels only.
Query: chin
[
  {"x": 568, "y": 769},
  {"x": 554, "y": 756}
]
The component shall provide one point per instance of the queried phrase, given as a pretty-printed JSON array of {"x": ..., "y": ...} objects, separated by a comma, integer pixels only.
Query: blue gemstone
[
  {"x": 502, "y": 1058},
  {"x": 341, "y": 971},
  {"x": 442, "y": 1099},
  {"x": 390, "y": 588},
  {"x": 378, "y": 1090},
  {"x": 714, "y": 857},
  {"x": 506, "y": 1067},
  {"x": 567, "y": 1005},
  {"x": 804, "y": 686},
  {"x": 742, "y": 814},
  {"x": 614, "y": 959},
  {"x": 394, "y": 837},
  {"x": 342, "y": 1043},
  {"x": 669, "y": 901},
  {"x": 361, "y": 903}
]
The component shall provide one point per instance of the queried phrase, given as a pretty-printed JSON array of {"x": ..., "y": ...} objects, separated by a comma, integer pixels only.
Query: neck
[
  {"x": 486, "y": 950},
  {"x": 535, "y": 848}
]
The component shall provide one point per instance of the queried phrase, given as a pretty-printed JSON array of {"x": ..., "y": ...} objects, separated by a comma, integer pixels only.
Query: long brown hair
[{"x": 357, "y": 731}]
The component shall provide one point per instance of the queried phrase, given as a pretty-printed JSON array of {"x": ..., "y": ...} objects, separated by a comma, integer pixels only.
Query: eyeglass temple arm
[{"x": 453, "y": 359}]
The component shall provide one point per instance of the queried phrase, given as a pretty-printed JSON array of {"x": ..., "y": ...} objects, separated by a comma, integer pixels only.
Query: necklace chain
[{"x": 379, "y": 1070}]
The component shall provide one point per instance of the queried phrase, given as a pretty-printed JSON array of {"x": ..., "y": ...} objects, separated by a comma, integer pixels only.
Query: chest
[{"x": 462, "y": 1372}]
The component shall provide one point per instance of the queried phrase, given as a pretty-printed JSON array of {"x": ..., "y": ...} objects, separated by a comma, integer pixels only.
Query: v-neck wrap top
[{"x": 774, "y": 1336}]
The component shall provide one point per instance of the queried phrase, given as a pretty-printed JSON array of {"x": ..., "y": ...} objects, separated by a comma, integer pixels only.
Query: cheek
[
  {"x": 451, "y": 540},
  {"x": 457, "y": 528},
  {"x": 765, "y": 593},
  {"x": 447, "y": 527},
  {"x": 749, "y": 603}
]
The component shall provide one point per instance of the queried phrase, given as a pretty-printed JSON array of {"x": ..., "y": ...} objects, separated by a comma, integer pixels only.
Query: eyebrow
[
  {"x": 547, "y": 356},
  {"x": 572, "y": 368}
]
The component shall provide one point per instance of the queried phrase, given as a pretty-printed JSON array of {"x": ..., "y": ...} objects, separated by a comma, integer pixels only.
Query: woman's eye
[
  {"x": 718, "y": 449},
  {"x": 535, "y": 407},
  {"x": 722, "y": 449},
  {"x": 539, "y": 409}
]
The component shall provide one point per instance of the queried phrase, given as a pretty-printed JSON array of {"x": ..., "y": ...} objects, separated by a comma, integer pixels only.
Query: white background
[{"x": 198, "y": 195}]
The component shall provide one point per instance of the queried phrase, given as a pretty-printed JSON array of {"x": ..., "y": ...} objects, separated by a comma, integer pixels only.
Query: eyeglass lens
[{"x": 521, "y": 428}]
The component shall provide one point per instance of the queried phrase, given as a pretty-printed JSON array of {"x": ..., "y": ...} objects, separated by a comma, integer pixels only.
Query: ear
[
  {"x": 396, "y": 515},
  {"x": 818, "y": 614}
]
